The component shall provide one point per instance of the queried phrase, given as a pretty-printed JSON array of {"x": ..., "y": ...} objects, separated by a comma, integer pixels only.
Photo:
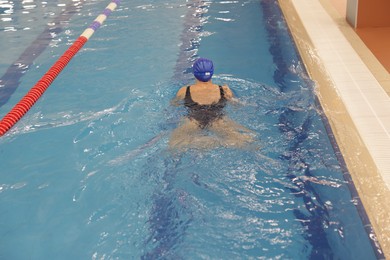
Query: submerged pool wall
[{"x": 366, "y": 176}]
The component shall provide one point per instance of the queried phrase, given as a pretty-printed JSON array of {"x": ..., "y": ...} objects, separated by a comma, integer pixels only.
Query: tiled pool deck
[{"x": 353, "y": 90}]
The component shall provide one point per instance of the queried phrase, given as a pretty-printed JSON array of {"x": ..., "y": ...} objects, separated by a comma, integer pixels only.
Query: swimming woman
[{"x": 206, "y": 125}]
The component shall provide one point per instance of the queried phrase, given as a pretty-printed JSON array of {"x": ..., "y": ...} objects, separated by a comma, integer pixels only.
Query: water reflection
[
  {"x": 20, "y": 15},
  {"x": 27, "y": 28}
]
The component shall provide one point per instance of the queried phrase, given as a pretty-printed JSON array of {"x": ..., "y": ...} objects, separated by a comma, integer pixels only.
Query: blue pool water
[{"x": 86, "y": 174}]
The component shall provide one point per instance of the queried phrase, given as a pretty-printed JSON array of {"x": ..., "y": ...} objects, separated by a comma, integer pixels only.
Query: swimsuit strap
[
  {"x": 188, "y": 94},
  {"x": 222, "y": 92}
]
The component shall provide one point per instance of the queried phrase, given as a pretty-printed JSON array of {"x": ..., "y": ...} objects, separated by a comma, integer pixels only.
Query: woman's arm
[
  {"x": 230, "y": 96},
  {"x": 227, "y": 92},
  {"x": 180, "y": 95}
]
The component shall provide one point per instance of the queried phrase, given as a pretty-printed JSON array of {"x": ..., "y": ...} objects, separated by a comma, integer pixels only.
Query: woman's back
[{"x": 205, "y": 94}]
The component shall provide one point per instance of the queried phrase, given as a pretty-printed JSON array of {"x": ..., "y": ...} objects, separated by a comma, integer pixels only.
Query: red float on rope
[{"x": 20, "y": 109}]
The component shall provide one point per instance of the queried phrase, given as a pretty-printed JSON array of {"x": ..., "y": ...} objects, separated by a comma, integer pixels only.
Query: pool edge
[{"x": 367, "y": 178}]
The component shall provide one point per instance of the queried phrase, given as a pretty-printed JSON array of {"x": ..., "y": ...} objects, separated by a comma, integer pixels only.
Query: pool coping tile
[{"x": 355, "y": 101}]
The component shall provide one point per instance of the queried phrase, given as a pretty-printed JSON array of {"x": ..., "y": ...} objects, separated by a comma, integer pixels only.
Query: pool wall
[{"x": 368, "y": 175}]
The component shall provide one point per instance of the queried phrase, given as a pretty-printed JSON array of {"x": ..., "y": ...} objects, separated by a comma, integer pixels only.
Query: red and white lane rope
[{"x": 21, "y": 108}]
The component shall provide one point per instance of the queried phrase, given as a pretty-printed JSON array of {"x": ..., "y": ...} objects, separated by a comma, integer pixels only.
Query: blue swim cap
[{"x": 203, "y": 69}]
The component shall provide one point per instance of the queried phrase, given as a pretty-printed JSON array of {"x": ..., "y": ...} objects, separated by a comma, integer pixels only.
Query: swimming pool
[{"x": 87, "y": 174}]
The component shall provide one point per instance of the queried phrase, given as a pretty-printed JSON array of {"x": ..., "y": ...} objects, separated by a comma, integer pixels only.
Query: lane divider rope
[{"x": 21, "y": 108}]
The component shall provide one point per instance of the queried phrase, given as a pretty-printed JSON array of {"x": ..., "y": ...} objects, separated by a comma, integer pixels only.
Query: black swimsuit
[{"x": 205, "y": 115}]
